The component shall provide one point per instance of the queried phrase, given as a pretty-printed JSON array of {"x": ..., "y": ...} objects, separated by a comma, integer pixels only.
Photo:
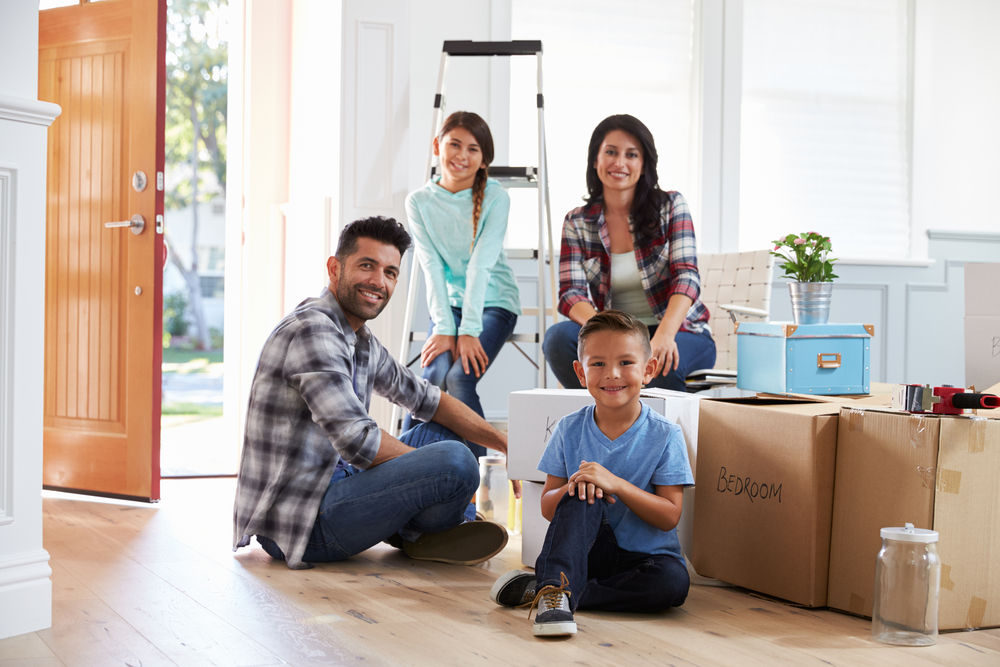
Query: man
[{"x": 319, "y": 481}]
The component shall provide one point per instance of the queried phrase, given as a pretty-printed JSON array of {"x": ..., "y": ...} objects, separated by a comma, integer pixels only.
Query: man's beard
[{"x": 352, "y": 303}]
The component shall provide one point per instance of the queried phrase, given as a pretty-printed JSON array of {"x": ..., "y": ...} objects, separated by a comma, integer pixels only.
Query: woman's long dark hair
[
  {"x": 478, "y": 128},
  {"x": 648, "y": 197}
]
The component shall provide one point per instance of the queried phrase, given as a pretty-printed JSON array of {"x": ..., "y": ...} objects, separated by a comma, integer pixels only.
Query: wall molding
[
  {"x": 24, "y": 110},
  {"x": 8, "y": 183},
  {"x": 973, "y": 237}
]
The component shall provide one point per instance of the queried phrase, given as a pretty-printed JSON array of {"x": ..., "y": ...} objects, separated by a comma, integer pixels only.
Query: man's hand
[
  {"x": 593, "y": 481},
  {"x": 434, "y": 346}
]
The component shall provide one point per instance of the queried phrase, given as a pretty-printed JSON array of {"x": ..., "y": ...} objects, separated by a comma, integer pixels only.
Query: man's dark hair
[
  {"x": 614, "y": 320},
  {"x": 384, "y": 230}
]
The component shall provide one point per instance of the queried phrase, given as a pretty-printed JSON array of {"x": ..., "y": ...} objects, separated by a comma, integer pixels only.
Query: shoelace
[{"x": 552, "y": 595}]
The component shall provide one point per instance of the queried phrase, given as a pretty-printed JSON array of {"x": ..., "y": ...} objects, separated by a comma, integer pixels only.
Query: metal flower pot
[{"x": 811, "y": 302}]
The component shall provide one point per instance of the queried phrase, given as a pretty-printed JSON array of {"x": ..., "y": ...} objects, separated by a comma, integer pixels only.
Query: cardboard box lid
[
  {"x": 786, "y": 403},
  {"x": 789, "y": 330},
  {"x": 980, "y": 289}
]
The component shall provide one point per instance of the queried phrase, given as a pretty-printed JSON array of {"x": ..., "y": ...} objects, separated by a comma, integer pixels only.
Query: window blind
[
  {"x": 825, "y": 129},
  {"x": 633, "y": 56}
]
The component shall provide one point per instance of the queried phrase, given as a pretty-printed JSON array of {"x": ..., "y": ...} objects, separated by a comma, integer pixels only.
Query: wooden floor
[{"x": 159, "y": 585}]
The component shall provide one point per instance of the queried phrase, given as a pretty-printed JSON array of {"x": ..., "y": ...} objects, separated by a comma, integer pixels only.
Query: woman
[
  {"x": 631, "y": 248},
  {"x": 458, "y": 221}
]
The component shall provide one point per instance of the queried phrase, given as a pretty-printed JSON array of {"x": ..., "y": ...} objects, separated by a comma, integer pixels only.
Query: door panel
[{"x": 103, "y": 63}]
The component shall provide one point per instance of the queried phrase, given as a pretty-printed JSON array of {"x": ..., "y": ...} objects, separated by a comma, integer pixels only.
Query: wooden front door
[{"x": 104, "y": 64}]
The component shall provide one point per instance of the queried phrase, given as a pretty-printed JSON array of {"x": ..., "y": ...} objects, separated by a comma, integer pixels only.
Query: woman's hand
[
  {"x": 473, "y": 356},
  {"x": 435, "y": 345},
  {"x": 664, "y": 351}
]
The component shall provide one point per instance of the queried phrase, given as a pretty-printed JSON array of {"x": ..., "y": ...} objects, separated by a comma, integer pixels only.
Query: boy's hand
[{"x": 593, "y": 481}]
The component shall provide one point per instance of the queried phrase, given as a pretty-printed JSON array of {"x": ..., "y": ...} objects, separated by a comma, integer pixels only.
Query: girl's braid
[{"x": 478, "y": 194}]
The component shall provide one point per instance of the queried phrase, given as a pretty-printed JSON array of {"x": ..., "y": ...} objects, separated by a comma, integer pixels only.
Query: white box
[
  {"x": 533, "y": 524},
  {"x": 532, "y": 414}
]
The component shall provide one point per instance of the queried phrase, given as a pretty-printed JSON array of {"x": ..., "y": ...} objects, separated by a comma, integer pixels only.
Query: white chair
[{"x": 732, "y": 284}]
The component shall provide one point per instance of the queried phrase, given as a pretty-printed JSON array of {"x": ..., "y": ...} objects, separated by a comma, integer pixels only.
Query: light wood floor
[{"x": 159, "y": 585}]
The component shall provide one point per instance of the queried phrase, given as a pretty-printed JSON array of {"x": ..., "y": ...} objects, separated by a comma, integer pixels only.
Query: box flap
[{"x": 981, "y": 280}]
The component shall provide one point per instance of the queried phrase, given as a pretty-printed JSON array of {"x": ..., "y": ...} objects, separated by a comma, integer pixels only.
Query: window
[
  {"x": 634, "y": 57},
  {"x": 825, "y": 131},
  {"x": 212, "y": 287}
]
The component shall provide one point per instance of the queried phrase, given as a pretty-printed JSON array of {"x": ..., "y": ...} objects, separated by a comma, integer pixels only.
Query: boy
[{"x": 616, "y": 475}]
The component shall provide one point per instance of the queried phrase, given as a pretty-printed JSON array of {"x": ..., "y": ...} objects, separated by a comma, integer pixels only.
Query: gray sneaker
[
  {"x": 514, "y": 589},
  {"x": 555, "y": 616},
  {"x": 465, "y": 544}
]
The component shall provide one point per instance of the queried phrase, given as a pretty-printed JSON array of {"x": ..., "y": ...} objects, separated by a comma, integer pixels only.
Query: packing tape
[
  {"x": 977, "y": 612},
  {"x": 946, "y": 581},
  {"x": 856, "y": 420},
  {"x": 926, "y": 476},
  {"x": 949, "y": 481},
  {"x": 977, "y": 435},
  {"x": 856, "y": 605},
  {"x": 918, "y": 431}
]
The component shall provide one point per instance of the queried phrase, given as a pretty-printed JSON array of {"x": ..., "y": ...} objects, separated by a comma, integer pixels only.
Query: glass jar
[
  {"x": 907, "y": 585},
  {"x": 492, "y": 496}
]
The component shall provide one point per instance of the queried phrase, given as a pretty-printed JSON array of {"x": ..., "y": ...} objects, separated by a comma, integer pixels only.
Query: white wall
[
  {"x": 956, "y": 118},
  {"x": 25, "y": 588}
]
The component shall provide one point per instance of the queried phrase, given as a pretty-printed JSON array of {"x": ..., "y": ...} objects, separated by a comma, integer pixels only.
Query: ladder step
[
  {"x": 420, "y": 336},
  {"x": 509, "y": 177},
  {"x": 467, "y": 47}
]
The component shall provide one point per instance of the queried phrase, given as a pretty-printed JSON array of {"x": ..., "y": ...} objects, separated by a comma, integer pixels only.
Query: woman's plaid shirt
[{"x": 668, "y": 263}]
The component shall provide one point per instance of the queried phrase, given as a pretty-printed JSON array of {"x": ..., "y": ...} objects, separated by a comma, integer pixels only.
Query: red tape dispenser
[{"x": 945, "y": 400}]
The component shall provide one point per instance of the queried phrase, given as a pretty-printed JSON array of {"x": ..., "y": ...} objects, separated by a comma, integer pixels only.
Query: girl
[{"x": 458, "y": 221}]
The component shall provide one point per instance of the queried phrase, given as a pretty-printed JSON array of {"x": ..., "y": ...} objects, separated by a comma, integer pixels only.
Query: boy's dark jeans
[{"x": 581, "y": 543}]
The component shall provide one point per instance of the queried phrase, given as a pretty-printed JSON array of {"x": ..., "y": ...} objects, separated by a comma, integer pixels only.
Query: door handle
[
  {"x": 136, "y": 224},
  {"x": 832, "y": 360}
]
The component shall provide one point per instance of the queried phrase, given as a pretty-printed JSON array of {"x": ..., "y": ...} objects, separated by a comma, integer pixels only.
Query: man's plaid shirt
[
  {"x": 668, "y": 263},
  {"x": 308, "y": 409}
]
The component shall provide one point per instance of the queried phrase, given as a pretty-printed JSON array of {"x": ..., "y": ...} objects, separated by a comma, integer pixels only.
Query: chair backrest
[{"x": 740, "y": 278}]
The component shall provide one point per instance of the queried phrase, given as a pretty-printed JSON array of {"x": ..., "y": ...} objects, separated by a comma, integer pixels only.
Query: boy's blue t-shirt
[{"x": 651, "y": 452}]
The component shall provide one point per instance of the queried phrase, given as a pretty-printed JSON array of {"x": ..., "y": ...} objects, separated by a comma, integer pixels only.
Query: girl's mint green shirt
[{"x": 441, "y": 227}]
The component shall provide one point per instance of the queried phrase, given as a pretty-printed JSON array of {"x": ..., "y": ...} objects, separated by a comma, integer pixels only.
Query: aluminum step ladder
[{"x": 509, "y": 177}]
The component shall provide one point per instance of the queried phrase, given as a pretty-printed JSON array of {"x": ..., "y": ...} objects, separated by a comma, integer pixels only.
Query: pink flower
[
  {"x": 776, "y": 247},
  {"x": 799, "y": 241}
]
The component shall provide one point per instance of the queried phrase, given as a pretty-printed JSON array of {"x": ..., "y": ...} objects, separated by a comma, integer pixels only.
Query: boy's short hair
[
  {"x": 384, "y": 230},
  {"x": 614, "y": 320}
]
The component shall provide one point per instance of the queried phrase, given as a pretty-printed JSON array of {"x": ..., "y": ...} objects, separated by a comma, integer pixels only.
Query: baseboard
[{"x": 25, "y": 594}]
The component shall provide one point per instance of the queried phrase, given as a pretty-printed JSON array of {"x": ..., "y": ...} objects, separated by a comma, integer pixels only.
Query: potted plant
[{"x": 808, "y": 263}]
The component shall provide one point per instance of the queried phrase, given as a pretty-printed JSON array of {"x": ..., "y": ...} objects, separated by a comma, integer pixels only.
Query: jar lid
[
  {"x": 495, "y": 459},
  {"x": 910, "y": 534}
]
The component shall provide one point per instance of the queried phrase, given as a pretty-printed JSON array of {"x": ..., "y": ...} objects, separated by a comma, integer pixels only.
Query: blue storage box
[{"x": 779, "y": 358}]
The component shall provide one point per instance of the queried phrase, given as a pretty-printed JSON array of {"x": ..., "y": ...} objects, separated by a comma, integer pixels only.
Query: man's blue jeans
[
  {"x": 424, "y": 491},
  {"x": 447, "y": 372},
  {"x": 697, "y": 351},
  {"x": 581, "y": 544}
]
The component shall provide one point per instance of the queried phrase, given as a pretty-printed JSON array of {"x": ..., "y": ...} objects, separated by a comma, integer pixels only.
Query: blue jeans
[
  {"x": 696, "y": 351},
  {"x": 447, "y": 372},
  {"x": 581, "y": 544},
  {"x": 424, "y": 491}
]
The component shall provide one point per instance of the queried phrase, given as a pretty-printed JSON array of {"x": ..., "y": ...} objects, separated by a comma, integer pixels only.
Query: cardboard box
[
  {"x": 982, "y": 325},
  {"x": 804, "y": 359},
  {"x": 764, "y": 494},
  {"x": 934, "y": 471}
]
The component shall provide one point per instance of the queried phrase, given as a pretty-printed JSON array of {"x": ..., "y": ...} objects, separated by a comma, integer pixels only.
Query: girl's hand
[
  {"x": 435, "y": 345},
  {"x": 472, "y": 354},
  {"x": 665, "y": 352},
  {"x": 593, "y": 481}
]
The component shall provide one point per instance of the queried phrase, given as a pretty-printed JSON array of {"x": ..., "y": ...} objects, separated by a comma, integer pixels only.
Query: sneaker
[
  {"x": 514, "y": 589},
  {"x": 555, "y": 617},
  {"x": 465, "y": 544}
]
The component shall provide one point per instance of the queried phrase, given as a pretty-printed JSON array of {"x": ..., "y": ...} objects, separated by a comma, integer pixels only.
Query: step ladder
[{"x": 509, "y": 177}]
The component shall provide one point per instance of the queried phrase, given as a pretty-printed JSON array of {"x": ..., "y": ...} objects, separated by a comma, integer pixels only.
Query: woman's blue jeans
[
  {"x": 696, "y": 351},
  {"x": 447, "y": 372},
  {"x": 581, "y": 544},
  {"x": 424, "y": 491}
]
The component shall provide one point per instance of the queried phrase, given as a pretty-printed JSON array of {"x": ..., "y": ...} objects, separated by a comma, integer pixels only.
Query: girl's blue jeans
[
  {"x": 447, "y": 372},
  {"x": 697, "y": 351}
]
